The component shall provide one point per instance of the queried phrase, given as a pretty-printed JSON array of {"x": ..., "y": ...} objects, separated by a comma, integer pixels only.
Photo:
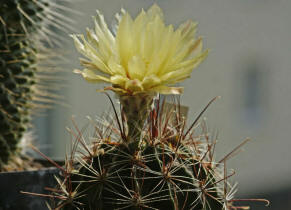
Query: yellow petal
[
  {"x": 133, "y": 85},
  {"x": 188, "y": 30},
  {"x": 90, "y": 65},
  {"x": 192, "y": 63},
  {"x": 89, "y": 51},
  {"x": 90, "y": 76},
  {"x": 92, "y": 38},
  {"x": 150, "y": 81},
  {"x": 175, "y": 76},
  {"x": 154, "y": 34},
  {"x": 105, "y": 37},
  {"x": 139, "y": 34},
  {"x": 189, "y": 50},
  {"x": 124, "y": 39},
  {"x": 118, "y": 80},
  {"x": 101, "y": 22},
  {"x": 114, "y": 89},
  {"x": 154, "y": 11},
  {"x": 79, "y": 46},
  {"x": 136, "y": 68},
  {"x": 116, "y": 67},
  {"x": 196, "y": 48}
]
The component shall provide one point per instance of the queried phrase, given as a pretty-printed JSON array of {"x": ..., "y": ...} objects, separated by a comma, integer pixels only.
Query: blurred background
[{"x": 248, "y": 65}]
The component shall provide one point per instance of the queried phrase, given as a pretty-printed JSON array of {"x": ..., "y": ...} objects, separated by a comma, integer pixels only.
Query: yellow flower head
[{"x": 144, "y": 55}]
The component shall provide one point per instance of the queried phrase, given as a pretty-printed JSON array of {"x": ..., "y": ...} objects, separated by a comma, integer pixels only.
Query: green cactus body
[
  {"x": 165, "y": 171},
  {"x": 16, "y": 92},
  {"x": 17, "y": 71},
  {"x": 25, "y": 27},
  {"x": 155, "y": 178}
]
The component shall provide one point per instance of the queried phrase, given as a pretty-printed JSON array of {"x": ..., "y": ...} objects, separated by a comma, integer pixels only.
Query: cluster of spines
[{"x": 171, "y": 169}]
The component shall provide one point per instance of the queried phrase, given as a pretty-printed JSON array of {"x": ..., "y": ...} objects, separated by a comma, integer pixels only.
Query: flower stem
[{"x": 136, "y": 109}]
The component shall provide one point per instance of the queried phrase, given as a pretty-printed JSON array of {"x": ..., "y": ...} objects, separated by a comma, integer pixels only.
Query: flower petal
[
  {"x": 154, "y": 11},
  {"x": 150, "y": 81},
  {"x": 192, "y": 63},
  {"x": 118, "y": 80},
  {"x": 124, "y": 40},
  {"x": 90, "y": 76},
  {"x": 136, "y": 68},
  {"x": 116, "y": 67},
  {"x": 134, "y": 85}
]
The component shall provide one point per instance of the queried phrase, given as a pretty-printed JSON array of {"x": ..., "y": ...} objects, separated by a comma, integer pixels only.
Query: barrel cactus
[
  {"x": 25, "y": 27},
  {"x": 145, "y": 156}
]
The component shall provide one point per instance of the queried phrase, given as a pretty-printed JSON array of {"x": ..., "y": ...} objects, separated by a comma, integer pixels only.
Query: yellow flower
[{"x": 144, "y": 55}]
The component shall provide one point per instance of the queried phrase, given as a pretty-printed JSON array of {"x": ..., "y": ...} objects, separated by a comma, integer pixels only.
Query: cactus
[
  {"x": 173, "y": 166},
  {"x": 24, "y": 26},
  {"x": 168, "y": 170},
  {"x": 145, "y": 156}
]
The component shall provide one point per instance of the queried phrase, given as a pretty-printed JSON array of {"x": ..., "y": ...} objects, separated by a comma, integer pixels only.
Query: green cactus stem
[
  {"x": 24, "y": 32},
  {"x": 17, "y": 72},
  {"x": 136, "y": 109}
]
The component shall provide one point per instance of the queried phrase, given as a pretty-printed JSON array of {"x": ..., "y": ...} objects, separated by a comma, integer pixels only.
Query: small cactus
[
  {"x": 172, "y": 167},
  {"x": 24, "y": 33},
  {"x": 146, "y": 157}
]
